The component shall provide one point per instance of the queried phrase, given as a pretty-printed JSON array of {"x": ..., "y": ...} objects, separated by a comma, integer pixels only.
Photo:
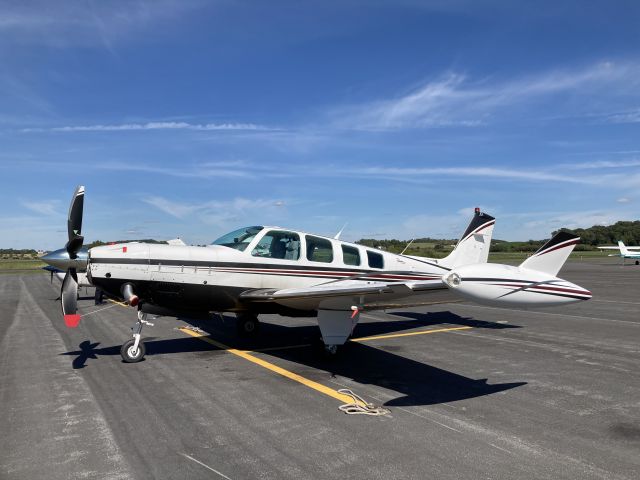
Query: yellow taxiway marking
[
  {"x": 247, "y": 355},
  {"x": 409, "y": 334}
]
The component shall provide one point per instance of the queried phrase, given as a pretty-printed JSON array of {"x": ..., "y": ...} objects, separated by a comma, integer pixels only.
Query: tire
[
  {"x": 637, "y": 262},
  {"x": 327, "y": 354},
  {"x": 247, "y": 325},
  {"x": 126, "y": 354}
]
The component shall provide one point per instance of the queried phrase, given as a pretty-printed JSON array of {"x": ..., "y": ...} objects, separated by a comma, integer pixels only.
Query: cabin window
[
  {"x": 319, "y": 249},
  {"x": 238, "y": 239},
  {"x": 350, "y": 255},
  {"x": 375, "y": 259},
  {"x": 278, "y": 244}
]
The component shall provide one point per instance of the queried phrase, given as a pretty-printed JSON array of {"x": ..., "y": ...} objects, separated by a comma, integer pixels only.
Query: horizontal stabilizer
[{"x": 551, "y": 256}]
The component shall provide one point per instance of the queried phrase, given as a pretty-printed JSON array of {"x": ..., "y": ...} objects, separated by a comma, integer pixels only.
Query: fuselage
[{"x": 211, "y": 278}]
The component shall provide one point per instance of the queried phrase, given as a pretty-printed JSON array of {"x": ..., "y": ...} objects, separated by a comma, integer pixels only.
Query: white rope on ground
[
  {"x": 359, "y": 406},
  {"x": 100, "y": 309}
]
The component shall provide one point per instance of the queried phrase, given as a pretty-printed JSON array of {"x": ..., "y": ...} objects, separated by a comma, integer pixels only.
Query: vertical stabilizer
[
  {"x": 473, "y": 246},
  {"x": 623, "y": 248},
  {"x": 552, "y": 255}
]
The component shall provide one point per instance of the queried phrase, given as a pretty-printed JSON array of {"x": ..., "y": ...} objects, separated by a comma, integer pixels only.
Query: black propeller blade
[
  {"x": 69, "y": 289},
  {"x": 74, "y": 223},
  {"x": 69, "y": 298}
]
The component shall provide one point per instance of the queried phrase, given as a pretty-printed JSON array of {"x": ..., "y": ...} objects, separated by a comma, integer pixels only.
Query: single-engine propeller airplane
[
  {"x": 625, "y": 252},
  {"x": 262, "y": 269}
]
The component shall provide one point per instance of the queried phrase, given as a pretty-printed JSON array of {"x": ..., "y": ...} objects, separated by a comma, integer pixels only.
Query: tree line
[{"x": 591, "y": 238}]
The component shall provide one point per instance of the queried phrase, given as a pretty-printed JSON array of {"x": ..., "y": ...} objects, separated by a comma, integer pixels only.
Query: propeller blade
[
  {"x": 74, "y": 223},
  {"x": 69, "y": 298}
]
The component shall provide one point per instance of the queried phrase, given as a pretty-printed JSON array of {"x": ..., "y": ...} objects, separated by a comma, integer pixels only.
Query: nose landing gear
[{"x": 133, "y": 350}]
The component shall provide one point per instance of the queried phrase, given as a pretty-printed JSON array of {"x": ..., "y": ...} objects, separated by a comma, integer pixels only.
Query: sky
[{"x": 191, "y": 118}]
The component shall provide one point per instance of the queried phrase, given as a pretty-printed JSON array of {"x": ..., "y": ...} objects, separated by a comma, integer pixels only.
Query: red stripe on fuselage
[{"x": 546, "y": 287}]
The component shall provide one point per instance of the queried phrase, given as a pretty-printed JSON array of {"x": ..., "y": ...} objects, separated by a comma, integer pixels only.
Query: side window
[
  {"x": 278, "y": 244},
  {"x": 350, "y": 255},
  {"x": 375, "y": 259},
  {"x": 319, "y": 250}
]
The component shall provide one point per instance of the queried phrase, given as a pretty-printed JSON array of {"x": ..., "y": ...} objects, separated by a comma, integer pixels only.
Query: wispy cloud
[
  {"x": 205, "y": 170},
  {"x": 127, "y": 127},
  {"x": 602, "y": 164},
  {"x": 48, "y": 207},
  {"x": 70, "y": 23},
  {"x": 215, "y": 212},
  {"x": 457, "y": 100},
  {"x": 492, "y": 172},
  {"x": 632, "y": 116}
]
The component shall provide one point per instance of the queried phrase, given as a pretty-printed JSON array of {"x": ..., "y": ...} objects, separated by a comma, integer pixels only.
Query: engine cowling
[{"x": 505, "y": 285}]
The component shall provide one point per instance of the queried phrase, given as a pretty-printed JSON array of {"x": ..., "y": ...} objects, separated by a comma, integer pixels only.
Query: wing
[
  {"x": 344, "y": 294},
  {"x": 618, "y": 248}
]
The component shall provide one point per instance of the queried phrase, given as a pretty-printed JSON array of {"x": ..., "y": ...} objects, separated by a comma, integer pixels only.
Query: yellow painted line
[
  {"x": 409, "y": 334},
  {"x": 247, "y": 355}
]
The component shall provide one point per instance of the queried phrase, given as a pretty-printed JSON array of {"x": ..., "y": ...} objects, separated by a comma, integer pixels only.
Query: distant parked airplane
[{"x": 625, "y": 252}]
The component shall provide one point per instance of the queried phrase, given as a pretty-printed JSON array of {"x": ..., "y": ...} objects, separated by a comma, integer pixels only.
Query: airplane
[
  {"x": 625, "y": 252},
  {"x": 58, "y": 261},
  {"x": 269, "y": 269}
]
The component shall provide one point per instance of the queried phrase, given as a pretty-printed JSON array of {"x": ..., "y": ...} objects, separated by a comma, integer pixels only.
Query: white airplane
[
  {"x": 261, "y": 269},
  {"x": 625, "y": 252}
]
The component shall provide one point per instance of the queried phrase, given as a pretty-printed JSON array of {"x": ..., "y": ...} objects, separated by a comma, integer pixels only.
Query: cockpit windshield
[{"x": 238, "y": 239}]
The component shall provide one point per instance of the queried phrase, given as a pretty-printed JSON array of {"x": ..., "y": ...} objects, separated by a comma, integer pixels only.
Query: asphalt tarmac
[{"x": 487, "y": 394}]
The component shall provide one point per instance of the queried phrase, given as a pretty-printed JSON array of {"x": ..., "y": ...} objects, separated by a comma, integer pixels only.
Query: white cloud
[
  {"x": 222, "y": 169},
  {"x": 175, "y": 209},
  {"x": 49, "y": 207},
  {"x": 623, "y": 200},
  {"x": 455, "y": 100},
  {"x": 602, "y": 164},
  {"x": 70, "y": 23},
  {"x": 127, "y": 127},
  {"x": 492, "y": 172},
  {"x": 217, "y": 212},
  {"x": 624, "y": 117}
]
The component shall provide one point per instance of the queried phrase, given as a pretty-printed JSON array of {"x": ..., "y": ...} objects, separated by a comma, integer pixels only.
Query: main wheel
[
  {"x": 637, "y": 262},
  {"x": 127, "y": 353},
  {"x": 327, "y": 352},
  {"x": 247, "y": 325}
]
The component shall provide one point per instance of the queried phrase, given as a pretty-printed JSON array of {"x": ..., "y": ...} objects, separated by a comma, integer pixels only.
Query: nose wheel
[
  {"x": 133, "y": 350},
  {"x": 131, "y": 353}
]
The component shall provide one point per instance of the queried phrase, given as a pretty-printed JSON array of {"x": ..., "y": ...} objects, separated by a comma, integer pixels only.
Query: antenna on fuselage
[
  {"x": 337, "y": 237},
  {"x": 408, "y": 245}
]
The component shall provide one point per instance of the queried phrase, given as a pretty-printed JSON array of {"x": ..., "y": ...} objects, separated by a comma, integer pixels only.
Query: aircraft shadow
[
  {"x": 436, "y": 318},
  {"x": 416, "y": 382}
]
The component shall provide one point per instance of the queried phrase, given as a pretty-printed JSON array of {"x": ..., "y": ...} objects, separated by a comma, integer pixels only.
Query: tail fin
[
  {"x": 473, "y": 246},
  {"x": 623, "y": 248},
  {"x": 551, "y": 256}
]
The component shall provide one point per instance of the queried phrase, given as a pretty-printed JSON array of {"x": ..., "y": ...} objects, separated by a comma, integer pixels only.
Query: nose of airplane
[{"x": 60, "y": 260}]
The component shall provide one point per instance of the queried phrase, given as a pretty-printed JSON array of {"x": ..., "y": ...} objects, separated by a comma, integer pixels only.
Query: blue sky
[{"x": 192, "y": 118}]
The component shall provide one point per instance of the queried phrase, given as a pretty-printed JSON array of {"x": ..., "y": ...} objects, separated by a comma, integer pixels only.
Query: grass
[{"x": 9, "y": 266}]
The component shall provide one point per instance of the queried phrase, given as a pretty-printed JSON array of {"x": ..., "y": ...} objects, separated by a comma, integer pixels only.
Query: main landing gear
[
  {"x": 133, "y": 351},
  {"x": 247, "y": 324}
]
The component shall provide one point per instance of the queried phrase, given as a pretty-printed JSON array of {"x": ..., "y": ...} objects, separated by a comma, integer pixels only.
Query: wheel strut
[{"x": 133, "y": 350}]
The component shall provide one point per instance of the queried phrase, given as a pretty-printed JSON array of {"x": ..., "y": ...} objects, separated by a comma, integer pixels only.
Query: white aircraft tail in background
[{"x": 625, "y": 252}]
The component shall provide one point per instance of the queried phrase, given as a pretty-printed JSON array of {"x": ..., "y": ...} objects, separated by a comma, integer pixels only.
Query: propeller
[{"x": 69, "y": 289}]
